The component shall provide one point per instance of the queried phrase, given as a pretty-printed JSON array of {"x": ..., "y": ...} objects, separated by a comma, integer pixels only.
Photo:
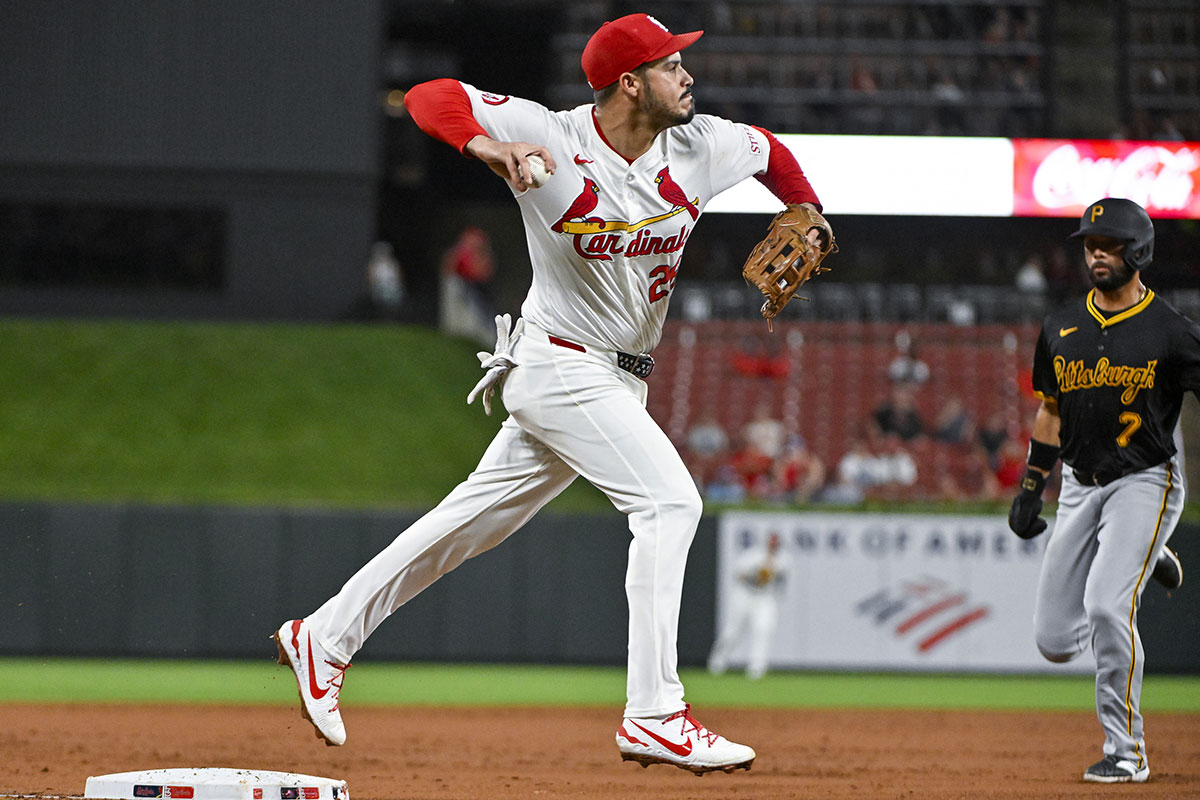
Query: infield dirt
[{"x": 402, "y": 753}]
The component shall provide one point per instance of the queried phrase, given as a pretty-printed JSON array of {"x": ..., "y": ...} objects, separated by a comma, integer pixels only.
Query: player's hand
[
  {"x": 498, "y": 363},
  {"x": 1023, "y": 517},
  {"x": 510, "y": 160},
  {"x": 819, "y": 237}
]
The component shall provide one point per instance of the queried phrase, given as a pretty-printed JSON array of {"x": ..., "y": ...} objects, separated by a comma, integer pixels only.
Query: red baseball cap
[{"x": 625, "y": 44}]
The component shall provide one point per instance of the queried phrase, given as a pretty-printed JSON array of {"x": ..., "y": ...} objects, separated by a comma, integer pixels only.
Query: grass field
[
  {"x": 241, "y": 414},
  {"x": 240, "y": 682}
]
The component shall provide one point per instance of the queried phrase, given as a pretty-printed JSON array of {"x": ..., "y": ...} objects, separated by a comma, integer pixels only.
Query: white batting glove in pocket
[{"x": 498, "y": 363}]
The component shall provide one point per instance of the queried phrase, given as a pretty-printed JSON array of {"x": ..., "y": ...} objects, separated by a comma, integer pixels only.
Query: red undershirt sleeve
[
  {"x": 442, "y": 109},
  {"x": 783, "y": 177}
]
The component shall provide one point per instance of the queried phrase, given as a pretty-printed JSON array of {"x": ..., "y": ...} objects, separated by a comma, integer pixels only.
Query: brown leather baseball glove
[{"x": 786, "y": 258}]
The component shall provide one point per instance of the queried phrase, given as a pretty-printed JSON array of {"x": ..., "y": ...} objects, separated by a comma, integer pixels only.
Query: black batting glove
[{"x": 1023, "y": 516}]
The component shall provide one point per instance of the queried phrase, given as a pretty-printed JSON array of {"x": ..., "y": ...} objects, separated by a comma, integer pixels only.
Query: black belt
[
  {"x": 1103, "y": 477},
  {"x": 640, "y": 365}
]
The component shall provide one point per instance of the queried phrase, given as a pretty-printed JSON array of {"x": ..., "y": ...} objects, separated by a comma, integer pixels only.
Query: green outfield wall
[{"x": 207, "y": 582}]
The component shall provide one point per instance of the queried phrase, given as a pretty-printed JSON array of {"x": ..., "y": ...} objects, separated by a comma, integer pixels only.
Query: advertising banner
[
  {"x": 880, "y": 592},
  {"x": 962, "y": 176},
  {"x": 911, "y": 175},
  {"x": 1058, "y": 177}
]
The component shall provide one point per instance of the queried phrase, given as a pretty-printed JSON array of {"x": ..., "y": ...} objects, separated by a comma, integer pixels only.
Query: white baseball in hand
[{"x": 539, "y": 175}]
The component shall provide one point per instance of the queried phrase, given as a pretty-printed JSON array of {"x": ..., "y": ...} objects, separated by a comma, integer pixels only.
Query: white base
[{"x": 214, "y": 783}]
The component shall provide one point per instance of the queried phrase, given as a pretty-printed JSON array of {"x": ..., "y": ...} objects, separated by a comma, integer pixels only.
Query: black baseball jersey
[{"x": 1118, "y": 379}]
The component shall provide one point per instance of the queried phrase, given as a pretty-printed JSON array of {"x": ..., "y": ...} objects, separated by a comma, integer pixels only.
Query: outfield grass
[
  {"x": 265, "y": 683},
  {"x": 240, "y": 414}
]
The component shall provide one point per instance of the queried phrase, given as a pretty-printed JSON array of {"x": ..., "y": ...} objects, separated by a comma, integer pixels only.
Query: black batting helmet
[{"x": 1121, "y": 219}]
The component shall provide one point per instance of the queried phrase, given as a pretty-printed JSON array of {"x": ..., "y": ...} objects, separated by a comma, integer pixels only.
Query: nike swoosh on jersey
[
  {"x": 684, "y": 749},
  {"x": 1067, "y": 331},
  {"x": 580, "y": 160}
]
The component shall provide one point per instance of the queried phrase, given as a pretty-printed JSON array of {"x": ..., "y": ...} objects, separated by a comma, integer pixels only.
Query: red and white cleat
[
  {"x": 682, "y": 741},
  {"x": 318, "y": 676}
]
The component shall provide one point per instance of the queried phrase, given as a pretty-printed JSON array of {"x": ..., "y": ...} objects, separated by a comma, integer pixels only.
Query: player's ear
[{"x": 630, "y": 83}]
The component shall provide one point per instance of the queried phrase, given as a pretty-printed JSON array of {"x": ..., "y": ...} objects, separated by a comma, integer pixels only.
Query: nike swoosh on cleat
[
  {"x": 684, "y": 749},
  {"x": 580, "y": 160},
  {"x": 316, "y": 691},
  {"x": 1067, "y": 331}
]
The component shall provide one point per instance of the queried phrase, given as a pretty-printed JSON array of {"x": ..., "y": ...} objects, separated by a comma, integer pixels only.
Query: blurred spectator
[
  {"x": 905, "y": 366},
  {"x": 1063, "y": 275},
  {"x": 861, "y": 79},
  {"x": 899, "y": 415},
  {"x": 760, "y": 358},
  {"x": 1167, "y": 132},
  {"x": 895, "y": 470},
  {"x": 755, "y": 470},
  {"x": 706, "y": 447},
  {"x": 1009, "y": 465},
  {"x": 886, "y": 474},
  {"x": 960, "y": 311},
  {"x": 953, "y": 424},
  {"x": 707, "y": 437},
  {"x": 993, "y": 433},
  {"x": 466, "y": 302},
  {"x": 1031, "y": 276},
  {"x": 764, "y": 432},
  {"x": 949, "y": 96},
  {"x": 855, "y": 475},
  {"x": 385, "y": 282},
  {"x": 725, "y": 486},
  {"x": 799, "y": 473},
  {"x": 1033, "y": 286},
  {"x": 998, "y": 28}
]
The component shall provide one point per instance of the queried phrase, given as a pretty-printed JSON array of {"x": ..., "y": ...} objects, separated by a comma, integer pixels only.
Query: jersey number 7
[{"x": 1132, "y": 422}]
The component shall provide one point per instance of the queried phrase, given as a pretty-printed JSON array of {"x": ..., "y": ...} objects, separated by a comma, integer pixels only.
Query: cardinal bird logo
[
  {"x": 581, "y": 206},
  {"x": 669, "y": 190}
]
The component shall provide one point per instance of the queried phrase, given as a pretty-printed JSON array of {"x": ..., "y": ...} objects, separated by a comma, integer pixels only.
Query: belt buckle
[{"x": 640, "y": 365}]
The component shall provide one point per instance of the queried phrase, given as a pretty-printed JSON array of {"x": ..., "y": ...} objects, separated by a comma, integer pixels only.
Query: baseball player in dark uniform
[{"x": 1111, "y": 371}]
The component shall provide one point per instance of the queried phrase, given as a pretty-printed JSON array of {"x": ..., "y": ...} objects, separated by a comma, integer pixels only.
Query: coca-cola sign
[{"x": 1060, "y": 177}]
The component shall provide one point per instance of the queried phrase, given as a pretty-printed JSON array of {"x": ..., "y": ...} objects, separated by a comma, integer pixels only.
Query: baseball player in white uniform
[
  {"x": 631, "y": 174},
  {"x": 759, "y": 579}
]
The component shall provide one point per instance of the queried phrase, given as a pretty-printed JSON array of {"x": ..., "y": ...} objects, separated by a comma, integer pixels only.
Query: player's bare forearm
[
  {"x": 509, "y": 160},
  {"x": 1046, "y": 425}
]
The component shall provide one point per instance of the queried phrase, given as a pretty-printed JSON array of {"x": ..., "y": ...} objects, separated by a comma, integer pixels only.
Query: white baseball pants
[{"x": 570, "y": 413}]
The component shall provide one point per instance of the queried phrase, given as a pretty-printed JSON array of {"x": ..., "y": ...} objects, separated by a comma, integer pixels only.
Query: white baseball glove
[{"x": 498, "y": 363}]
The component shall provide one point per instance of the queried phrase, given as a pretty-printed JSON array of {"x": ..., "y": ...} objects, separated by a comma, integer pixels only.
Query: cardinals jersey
[{"x": 605, "y": 236}]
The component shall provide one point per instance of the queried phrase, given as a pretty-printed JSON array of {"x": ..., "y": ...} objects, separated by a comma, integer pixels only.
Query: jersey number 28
[{"x": 663, "y": 277}]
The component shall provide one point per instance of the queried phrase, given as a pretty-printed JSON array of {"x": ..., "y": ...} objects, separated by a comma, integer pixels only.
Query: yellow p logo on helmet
[{"x": 1097, "y": 211}]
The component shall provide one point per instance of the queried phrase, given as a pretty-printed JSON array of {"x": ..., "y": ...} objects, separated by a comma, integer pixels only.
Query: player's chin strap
[{"x": 498, "y": 363}]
